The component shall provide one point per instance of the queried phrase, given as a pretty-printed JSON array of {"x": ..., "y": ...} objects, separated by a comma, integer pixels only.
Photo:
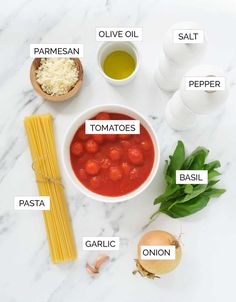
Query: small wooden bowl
[{"x": 55, "y": 98}]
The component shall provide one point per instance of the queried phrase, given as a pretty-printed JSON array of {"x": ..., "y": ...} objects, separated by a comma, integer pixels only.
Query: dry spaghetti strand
[{"x": 39, "y": 129}]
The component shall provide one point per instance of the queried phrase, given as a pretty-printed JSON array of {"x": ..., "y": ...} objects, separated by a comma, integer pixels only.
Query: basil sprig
[{"x": 183, "y": 200}]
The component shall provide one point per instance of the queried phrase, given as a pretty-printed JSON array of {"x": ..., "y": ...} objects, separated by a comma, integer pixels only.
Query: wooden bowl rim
[{"x": 56, "y": 98}]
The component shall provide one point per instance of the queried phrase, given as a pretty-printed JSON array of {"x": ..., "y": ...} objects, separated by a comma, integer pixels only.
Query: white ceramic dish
[
  {"x": 78, "y": 121},
  {"x": 108, "y": 47}
]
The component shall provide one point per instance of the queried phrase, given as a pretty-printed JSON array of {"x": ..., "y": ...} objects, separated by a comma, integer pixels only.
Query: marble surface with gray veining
[{"x": 207, "y": 269}]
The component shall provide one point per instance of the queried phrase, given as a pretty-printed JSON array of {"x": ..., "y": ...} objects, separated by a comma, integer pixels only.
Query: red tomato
[
  {"x": 77, "y": 148},
  {"x": 103, "y": 116},
  {"x": 135, "y": 156},
  {"x": 110, "y": 137},
  {"x": 81, "y": 133},
  {"x": 134, "y": 173},
  {"x": 92, "y": 167},
  {"x": 98, "y": 156},
  {"x": 115, "y": 153},
  {"x": 95, "y": 182},
  {"x": 137, "y": 138},
  {"x": 98, "y": 138},
  {"x": 82, "y": 174},
  {"x": 125, "y": 144},
  {"x": 126, "y": 168},
  {"x": 91, "y": 146},
  {"x": 115, "y": 173},
  {"x": 124, "y": 136},
  {"x": 105, "y": 163},
  {"x": 145, "y": 145}
]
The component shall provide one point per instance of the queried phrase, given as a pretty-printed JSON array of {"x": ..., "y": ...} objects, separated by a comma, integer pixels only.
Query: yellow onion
[{"x": 154, "y": 268}]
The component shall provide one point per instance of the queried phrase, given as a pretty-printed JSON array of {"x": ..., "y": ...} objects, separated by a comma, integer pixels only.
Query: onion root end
[{"x": 143, "y": 272}]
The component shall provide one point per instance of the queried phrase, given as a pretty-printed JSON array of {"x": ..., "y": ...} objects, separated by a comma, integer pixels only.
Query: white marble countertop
[{"x": 207, "y": 271}]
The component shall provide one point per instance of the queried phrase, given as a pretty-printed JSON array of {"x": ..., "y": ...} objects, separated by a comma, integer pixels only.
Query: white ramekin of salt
[{"x": 183, "y": 47}]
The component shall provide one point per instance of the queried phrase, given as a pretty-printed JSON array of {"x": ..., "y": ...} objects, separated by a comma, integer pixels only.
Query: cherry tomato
[
  {"x": 115, "y": 173},
  {"x": 98, "y": 156},
  {"x": 115, "y": 153},
  {"x": 105, "y": 163},
  {"x": 124, "y": 136},
  {"x": 110, "y": 137},
  {"x": 125, "y": 144},
  {"x": 145, "y": 145},
  {"x": 91, "y": 146},
  {"x": 92, "y": 167},
  {"x": 77, "y": 148},
  {"x": 135, "y": 156},
  {"x": 133, "y": 174},
  {"x": 103, "y": 116},
  {"x": 81, "y": 133},
  {"x": 95, "y": 182},
  {"x": 82, "y": 174},
  {"x": 137, "y": 138},
  {"x": 99, "y": 138},
  {"x": 126, "y": 168}
]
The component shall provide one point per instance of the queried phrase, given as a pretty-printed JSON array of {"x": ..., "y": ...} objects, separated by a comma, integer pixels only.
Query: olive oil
[{"x": 119, "y": 65}]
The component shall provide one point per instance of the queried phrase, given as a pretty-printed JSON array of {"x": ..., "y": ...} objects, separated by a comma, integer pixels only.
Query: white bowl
[
  {"x": 78, "y": 121},
  {"x": 107, "y": 48}
]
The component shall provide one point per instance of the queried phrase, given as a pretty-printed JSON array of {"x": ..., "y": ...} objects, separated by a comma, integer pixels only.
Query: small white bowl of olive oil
[{"x": 118, "y": 62}]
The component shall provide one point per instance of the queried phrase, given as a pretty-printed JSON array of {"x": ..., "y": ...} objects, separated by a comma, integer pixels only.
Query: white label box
[
  {"x": 112, "y": 127},
  {"x": 208, "y": 83},
  {"x": 35, "y": 203},
  {"x": 119, "y": 34},
  {"x": 188, "y": 36},
  {"x": 56, "y": 50},
  {"x": 191, "y": 177},
  {"x": 101, "y": 243},
  {"x": 158, "y": 252}
]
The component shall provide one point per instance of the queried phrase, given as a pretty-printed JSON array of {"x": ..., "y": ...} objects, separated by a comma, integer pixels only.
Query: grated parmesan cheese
[{"x": 57, "y": 76}]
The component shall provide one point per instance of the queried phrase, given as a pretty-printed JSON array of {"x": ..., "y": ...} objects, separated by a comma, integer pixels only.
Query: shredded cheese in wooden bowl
[{"x": 57, "y": 76}]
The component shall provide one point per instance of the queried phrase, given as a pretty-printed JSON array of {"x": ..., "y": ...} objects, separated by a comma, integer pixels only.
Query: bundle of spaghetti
[{"x": 41, "y": 139}]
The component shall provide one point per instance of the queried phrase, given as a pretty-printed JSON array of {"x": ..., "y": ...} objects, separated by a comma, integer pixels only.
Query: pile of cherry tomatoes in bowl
[{"x": 112, "y": 164}]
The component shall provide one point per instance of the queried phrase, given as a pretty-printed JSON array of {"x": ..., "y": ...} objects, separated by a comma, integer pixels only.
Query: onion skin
[{"x": 159, "y": 267}]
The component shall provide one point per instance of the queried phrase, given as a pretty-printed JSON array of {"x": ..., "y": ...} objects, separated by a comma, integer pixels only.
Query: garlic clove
[
  {"x": 91, "y": 270},
  {"x": 100, "y": 260}
]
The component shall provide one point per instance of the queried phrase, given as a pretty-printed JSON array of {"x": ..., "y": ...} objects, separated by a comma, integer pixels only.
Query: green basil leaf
[
  {"x": 213, "y": 173},
  {"x": 199, "y": 160},
  {"x": 212, "y": 165},
  {"x": 211, "y": 183},
  {"x": 192, "y": 206},
  {"x": 196, "y": 160},
  {"x": 185, "y": 209},
  {"x": 166, "y": 205},
  {"x": 213, "y": 192},
  {"x": 169, "y": 180},
  {"x": 188, "y": 189},
  {"x": 197, "y": 190},
  {"x": 165, "y": 167},
  {"x": 176, "y": 160},
  {"x": 170, "y": 190}
]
